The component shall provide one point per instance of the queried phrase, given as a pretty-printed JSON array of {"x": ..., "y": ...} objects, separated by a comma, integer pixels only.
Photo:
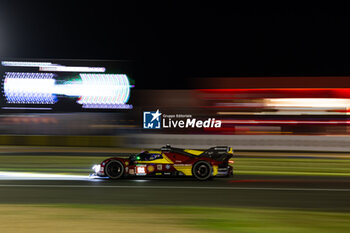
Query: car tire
[
  {"x": 114, "y": 169},
  {"x": 202, "y": 170}
]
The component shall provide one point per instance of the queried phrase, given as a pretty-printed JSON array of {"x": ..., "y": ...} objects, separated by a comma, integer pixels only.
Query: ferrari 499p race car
[{"x": 169, "y": 161}]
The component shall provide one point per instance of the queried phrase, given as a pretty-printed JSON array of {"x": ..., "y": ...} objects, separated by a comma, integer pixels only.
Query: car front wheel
[{"x": 114, "y": 169}]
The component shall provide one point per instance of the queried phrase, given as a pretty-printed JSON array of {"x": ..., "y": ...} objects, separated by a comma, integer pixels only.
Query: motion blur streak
[
  {"x": 39, "y": 176},
  {"x": 60, "y": 68},
  {"x": 298, "y": 111},
  {"x": 25, "y": 63},
  {"x": 95, "y": 90},
  {"x": 48, "y": 66},
  {"x": 29, "y": 88},
  {"x": 176, "y": 187},
  {"x": 307, "y": 102},
  {"x": 106, "y": 89}
]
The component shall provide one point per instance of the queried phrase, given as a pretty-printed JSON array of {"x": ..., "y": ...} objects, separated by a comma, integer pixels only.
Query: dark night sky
[{"x": 170, "y": 43}]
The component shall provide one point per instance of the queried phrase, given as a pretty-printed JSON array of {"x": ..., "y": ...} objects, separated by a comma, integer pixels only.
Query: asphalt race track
[{"x": 325, "y": 193}]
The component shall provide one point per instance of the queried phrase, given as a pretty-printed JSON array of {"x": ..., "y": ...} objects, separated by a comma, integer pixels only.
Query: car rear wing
[{"x": 219, "y": 153}]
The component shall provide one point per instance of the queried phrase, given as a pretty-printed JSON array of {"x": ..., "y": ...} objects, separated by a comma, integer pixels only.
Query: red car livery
[{"x": 170, "y": 161}]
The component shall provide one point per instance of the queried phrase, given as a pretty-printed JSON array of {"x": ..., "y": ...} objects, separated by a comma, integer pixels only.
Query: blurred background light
[
  {"x": 94, "y": 90},
  {"x": 29, "y": 88},
  {"x": 60, "y": 68},
  {"x": 307, "y": 102},
  {"x": 104, "y": 90},
  {"x": 25, "y": 63}
]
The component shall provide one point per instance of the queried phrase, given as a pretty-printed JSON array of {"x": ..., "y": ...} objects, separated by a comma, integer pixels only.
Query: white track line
[{"x": 169, "y": 187}]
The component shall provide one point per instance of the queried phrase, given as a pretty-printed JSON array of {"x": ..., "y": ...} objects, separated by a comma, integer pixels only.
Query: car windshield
[{"x": 145, "y": 156}]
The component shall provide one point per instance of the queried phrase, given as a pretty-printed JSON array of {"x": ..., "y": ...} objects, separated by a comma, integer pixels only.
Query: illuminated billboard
[{"x": 71, "y": 85}]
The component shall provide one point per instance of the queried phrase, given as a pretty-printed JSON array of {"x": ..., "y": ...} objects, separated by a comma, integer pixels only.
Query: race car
[{"x": 169, "y": 161}]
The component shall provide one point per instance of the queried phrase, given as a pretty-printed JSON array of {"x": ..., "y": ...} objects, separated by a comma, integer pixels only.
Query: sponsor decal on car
[
  {"x": 141, "y": 170},
  {"x": 150, "y": 168},
  {"x": 159, "y": 167}
]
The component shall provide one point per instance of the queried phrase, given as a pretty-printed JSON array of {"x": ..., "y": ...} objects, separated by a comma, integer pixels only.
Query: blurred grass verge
[
  {"x": 103, "y": 218},
  {"x": 81, "y": 165},
  {"x": 75, "y": 165},
  {"x": 292, "y": 166}
]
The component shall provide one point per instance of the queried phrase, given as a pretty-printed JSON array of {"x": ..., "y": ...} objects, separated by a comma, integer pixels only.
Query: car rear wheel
[
  {"x": 114, "y": 169},
  {"x": 202, "y": 170}
]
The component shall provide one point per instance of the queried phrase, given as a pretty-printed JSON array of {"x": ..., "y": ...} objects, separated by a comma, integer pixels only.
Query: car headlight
[{"x": 96, "y": 168}]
